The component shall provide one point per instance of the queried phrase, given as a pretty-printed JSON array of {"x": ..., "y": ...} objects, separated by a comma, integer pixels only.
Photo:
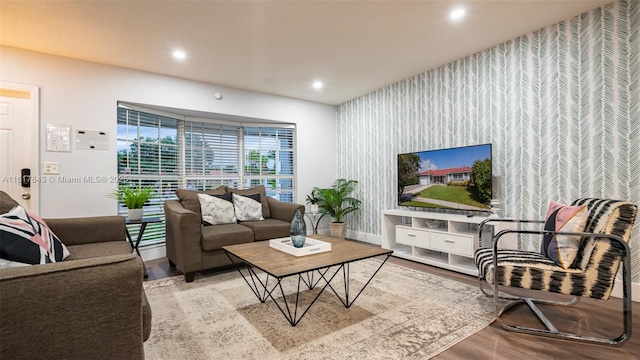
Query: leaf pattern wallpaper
[{"x": 561, "y": 107}]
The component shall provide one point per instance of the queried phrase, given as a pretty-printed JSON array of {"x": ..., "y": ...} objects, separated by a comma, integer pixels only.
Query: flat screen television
[{"x": 454, "y": 178}]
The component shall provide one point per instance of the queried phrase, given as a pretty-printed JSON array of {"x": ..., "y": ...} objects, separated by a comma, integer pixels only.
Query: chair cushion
[
  {"x": 27, "y": 239},
  {"x": 269, "y": 228},
  {"x": 605, "y": 217},
  {"x": 531, "y": 270},
  {"x": 215, "y": 237},
  {"x": 563, "y": 249},
  {"x": 217, "y": 209},
  {"x": 99, "y": 249},
  {"x": 266, "y": 213},
  {"x": 189, "y": 198},
  {"x": 248, "y": 207}
]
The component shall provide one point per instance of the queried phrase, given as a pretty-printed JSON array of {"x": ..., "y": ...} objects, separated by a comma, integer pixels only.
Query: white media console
[{"x": 443, "y": 240}]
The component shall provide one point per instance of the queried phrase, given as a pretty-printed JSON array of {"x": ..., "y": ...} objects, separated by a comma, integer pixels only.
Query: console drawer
[
  {"x": 452, "y": 243},
  {"x": 411, "y": 236}
]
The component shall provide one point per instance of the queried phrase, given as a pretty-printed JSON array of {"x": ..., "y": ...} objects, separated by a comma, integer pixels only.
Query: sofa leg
[
  {"x": 171, "y": 264},
  {"x": 188, "y": 277}
]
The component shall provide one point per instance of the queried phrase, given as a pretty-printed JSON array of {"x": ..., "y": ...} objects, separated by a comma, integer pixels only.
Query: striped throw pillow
[{"x": 25, "y": 238}]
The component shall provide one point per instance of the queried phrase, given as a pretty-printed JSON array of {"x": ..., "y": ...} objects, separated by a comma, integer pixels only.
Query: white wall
[{"x": 84, "y": 95}]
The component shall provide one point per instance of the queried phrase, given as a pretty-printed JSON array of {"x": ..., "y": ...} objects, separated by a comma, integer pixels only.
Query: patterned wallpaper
[{"x": 561, "y": 107}]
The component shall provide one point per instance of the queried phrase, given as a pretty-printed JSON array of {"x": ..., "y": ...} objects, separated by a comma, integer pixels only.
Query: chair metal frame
[{"x": 551, "y": 330}]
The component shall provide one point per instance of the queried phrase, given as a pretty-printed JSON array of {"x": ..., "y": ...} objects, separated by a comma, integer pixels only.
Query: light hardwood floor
[{"x": 590, "y": 317}]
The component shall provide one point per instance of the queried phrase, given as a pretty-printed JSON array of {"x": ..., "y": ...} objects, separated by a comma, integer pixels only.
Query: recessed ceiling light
[
  {"x": 457, "y": 13},
  {"x": 318, "y": 84},
  {"x": 179, "y": 54}
]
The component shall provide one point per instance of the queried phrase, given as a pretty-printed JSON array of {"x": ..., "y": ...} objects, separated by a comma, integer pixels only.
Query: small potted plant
[
  {"x": 337, "y": 202},
  {"x": 133, "y": 199},
  {"x": 312, "y": 200}
]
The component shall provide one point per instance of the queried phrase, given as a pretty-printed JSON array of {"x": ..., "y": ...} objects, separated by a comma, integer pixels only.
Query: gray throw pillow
[
  {"x": 248, "y": 207},
  {"x": 217, "y": 209}
]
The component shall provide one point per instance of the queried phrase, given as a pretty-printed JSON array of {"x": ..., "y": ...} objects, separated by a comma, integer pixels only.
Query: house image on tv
[{"x": 443, "y": 176}]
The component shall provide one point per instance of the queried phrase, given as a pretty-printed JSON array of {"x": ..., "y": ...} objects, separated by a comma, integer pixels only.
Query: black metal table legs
[{"x": 290, "y": 305}]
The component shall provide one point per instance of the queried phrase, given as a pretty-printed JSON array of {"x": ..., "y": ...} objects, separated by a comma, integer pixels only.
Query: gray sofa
[
  {"x": 89, "y": 306},
  {"x": 192, "y": 247}
]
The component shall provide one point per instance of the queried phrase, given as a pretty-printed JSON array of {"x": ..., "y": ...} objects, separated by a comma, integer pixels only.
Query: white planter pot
[
  {"x": 313, "y": 208},
  {"x": 338, "y": 230},
  {"x": 134, "y": 214}
]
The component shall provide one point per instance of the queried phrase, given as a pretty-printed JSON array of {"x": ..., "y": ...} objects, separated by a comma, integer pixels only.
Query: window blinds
[{"x": 165, "y": 152}]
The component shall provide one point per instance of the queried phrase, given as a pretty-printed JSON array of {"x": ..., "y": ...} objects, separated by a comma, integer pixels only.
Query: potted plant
[
  {"x": 313, "y": 199},
  {"x": 133, "y": 199},
  {"x": 338, "y": 202}
]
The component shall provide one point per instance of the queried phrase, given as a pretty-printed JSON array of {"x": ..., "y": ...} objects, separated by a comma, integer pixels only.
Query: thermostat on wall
[{"x": 92, "y": 140}]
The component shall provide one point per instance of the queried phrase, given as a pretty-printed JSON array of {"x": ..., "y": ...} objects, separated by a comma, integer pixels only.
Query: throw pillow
[
  {"x": 563, "y": 249},
  {"x": 260, "y": 189},
  {"x": 25, "y": 238},
  {"x": 217, "y": 209},
  {"x": 248, "y": 207}
]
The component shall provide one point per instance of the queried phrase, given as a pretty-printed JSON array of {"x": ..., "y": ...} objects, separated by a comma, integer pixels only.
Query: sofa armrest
[
  {"x": 282, "y": 210},
  {"x": 87, "y": 230},
  {"x": 81, "y": 309},
  {"x": 183, "y": 236}
]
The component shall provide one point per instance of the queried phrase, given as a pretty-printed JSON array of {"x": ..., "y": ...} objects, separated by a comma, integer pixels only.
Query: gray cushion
[
  {"x": 268, "y": 228},
  {"x": 189, "y": 198},
  {"x": 214, "y": 237},
  {"x": 94, "y": 250},
  {"x": 6, "y": 203},
  {"x": 266, "y": 213}
]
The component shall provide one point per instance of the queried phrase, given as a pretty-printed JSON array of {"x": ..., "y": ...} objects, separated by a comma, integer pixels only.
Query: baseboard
[
  {"x": 368, "y": 238},
  {"x": 635, "y": 290},
  {"x": 153, "y": 252}
]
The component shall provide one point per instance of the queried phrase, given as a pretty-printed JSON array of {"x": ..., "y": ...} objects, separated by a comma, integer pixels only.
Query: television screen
[{"x": 455, "y": 178}]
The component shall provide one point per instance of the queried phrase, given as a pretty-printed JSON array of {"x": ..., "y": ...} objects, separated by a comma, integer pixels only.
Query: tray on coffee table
[{"x": 311, "y": 246}]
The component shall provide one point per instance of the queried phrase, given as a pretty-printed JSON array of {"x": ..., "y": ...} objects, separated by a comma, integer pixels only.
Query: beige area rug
[{"x": 402, "y": 314}]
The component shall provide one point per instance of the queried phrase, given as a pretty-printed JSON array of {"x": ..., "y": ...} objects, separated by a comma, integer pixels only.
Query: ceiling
[{"x": 277, "y": 47}]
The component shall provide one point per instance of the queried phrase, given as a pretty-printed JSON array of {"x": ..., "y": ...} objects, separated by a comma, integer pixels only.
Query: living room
[{"x": 562, "y": 122}]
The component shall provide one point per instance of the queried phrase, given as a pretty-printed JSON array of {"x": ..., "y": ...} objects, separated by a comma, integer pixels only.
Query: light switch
[{"x": 51, "y": 168}]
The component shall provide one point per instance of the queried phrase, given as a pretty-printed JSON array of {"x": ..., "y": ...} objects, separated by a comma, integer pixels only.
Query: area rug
[{"x": 401, "y": 314}]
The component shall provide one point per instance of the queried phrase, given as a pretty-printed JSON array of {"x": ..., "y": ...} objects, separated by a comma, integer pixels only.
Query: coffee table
[{"x": 278, "y": 265}]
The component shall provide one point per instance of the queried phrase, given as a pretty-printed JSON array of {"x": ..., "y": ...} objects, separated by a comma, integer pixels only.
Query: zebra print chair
[{"x": 603, "y": 247}]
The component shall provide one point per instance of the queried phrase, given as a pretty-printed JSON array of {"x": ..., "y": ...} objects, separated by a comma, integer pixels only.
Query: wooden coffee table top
[{"x": 280, "y": 264}]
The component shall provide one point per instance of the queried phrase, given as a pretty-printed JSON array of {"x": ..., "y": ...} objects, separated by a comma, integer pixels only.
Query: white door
[{"x": 19, "y": 128}]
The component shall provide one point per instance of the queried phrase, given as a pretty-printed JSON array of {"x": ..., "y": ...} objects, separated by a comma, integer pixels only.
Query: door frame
[{"x": 34, "y": 96}]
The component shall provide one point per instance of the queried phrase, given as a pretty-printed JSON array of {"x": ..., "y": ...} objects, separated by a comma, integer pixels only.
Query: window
[
  {"x": 148, "y": 156},
  {"x": 211, "y": 155},
  {"x": 168, "y": 153},
  {"x": 268, "y": 160}
]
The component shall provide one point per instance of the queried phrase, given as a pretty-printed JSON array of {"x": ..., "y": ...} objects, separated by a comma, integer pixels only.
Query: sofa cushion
[
  {"x": 27, "y": 239},
  {"x": 248, "y": 207},
  {"x": 215, "y": 237},
  {"x": 94, "y": 250},
  {"x": 268, "y": 228},
  {"x": 189, "y": 198},
  {"x": 6, "y": 203},
  {"x": 217, "y": 209},
  {"x": 266, "y": 213}
]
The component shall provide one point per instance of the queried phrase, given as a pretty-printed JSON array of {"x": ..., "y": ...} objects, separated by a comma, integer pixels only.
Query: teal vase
[{"x": 298, "y": 230}]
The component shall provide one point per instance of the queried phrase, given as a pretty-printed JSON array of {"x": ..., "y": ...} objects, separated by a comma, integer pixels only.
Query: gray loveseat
[
  {"x": 89, "y": 306},
  {"x": 192, "y": 247}
]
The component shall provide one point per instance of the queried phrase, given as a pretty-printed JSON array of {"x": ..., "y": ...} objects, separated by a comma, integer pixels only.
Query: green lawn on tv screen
[{"x": 456, "y": 194}]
